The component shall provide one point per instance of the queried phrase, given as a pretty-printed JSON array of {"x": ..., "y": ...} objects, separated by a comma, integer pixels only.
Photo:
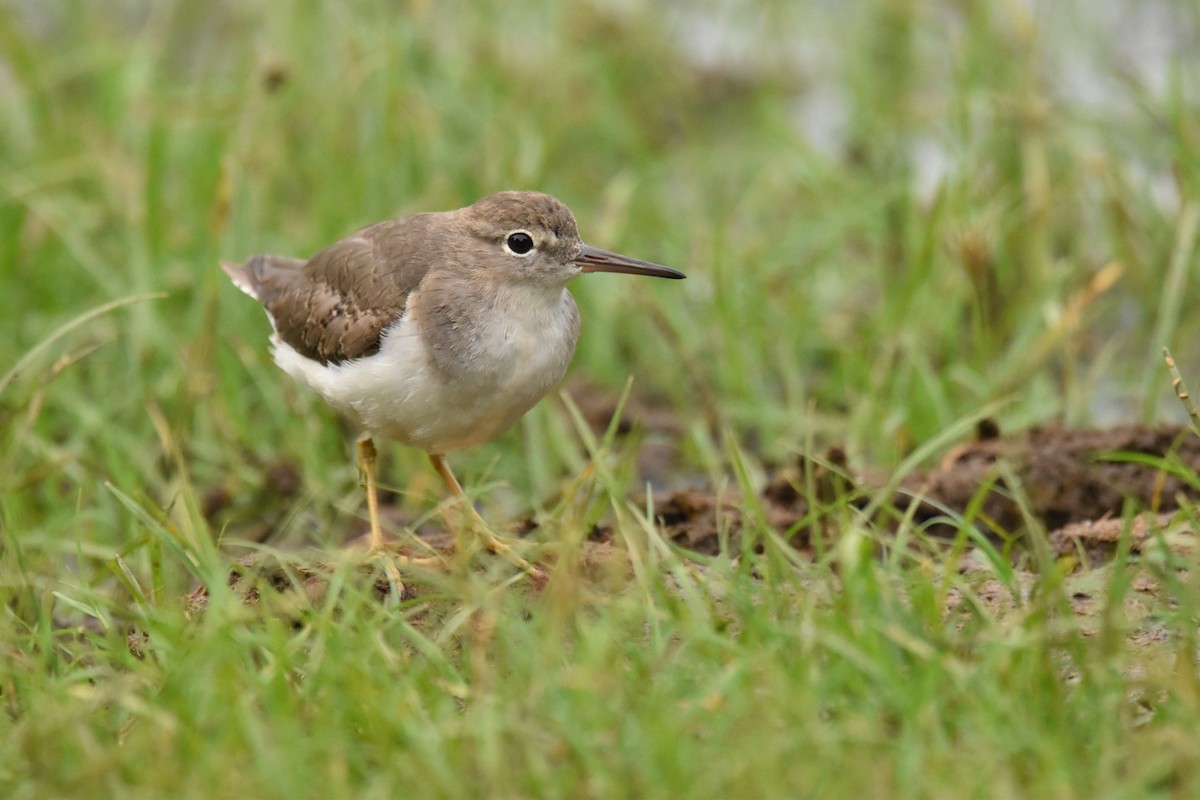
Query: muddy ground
[{"x": 1075, "y": 485}]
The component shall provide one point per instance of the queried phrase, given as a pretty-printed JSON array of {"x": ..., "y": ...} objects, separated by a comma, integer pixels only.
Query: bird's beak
[{"x": 593, "y": 259}]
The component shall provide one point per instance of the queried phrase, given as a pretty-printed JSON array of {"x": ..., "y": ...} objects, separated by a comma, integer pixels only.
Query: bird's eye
[{"x": 519, "y": 243}]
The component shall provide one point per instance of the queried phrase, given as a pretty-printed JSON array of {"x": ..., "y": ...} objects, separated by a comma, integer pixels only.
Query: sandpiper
[{"x": 438, "y": 330}]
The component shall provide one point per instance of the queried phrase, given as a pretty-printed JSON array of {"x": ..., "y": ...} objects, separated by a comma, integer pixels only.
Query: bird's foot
[
  {"x": 505, "y": 550},
  {"x": 392, "y": 563},
  {"x": 391, "y": 573},
  {"x": 472, "y": 524}
]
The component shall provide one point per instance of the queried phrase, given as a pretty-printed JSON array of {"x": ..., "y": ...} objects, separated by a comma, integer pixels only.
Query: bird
[{"x": 437, "y": 330}]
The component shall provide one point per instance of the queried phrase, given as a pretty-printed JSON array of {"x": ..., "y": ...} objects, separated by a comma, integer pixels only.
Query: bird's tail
[
  {"x": 263, "y": 277},
  {"x": 240, "y": 277}
]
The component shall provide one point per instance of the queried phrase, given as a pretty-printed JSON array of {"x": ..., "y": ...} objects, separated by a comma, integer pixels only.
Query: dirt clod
[{"x": 1062, "y": 476}]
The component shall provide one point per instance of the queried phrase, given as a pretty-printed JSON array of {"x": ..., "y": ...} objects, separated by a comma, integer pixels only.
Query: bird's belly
[{"x": 398, "y": 393}]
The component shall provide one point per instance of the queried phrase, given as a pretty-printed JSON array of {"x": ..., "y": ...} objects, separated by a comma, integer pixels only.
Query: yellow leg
[
  {"x": 366, "y": 462},
  {"x": 493, "y": 543}
]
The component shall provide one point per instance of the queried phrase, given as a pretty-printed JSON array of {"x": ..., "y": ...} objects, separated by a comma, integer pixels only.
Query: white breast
[{"x": 398, "y": 393}]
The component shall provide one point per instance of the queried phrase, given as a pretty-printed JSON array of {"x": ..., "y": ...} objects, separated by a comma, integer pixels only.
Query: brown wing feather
[{"x": 336, "y": 306}]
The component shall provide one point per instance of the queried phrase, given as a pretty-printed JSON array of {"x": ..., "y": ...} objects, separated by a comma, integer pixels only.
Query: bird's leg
[
  {"x": 493, "y": 543},
  {"x": 366, "y": 462}
]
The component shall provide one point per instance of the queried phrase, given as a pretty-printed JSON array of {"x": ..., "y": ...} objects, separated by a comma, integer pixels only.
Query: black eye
[{"x": 519, "y": 242}]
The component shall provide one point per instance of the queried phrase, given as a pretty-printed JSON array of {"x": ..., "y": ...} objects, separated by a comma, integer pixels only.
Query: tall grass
[{"x": 893, "y": 214}]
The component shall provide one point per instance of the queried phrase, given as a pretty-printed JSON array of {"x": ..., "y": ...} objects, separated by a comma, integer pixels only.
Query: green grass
[{"x": 836, "y": 294}]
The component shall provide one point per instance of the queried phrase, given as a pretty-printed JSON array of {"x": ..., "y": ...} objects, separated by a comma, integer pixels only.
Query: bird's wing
[{"x": 335, "y": 306}]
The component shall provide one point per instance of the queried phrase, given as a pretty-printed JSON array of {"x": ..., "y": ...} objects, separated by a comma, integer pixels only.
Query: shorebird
[{"x": 438, "y": 330}]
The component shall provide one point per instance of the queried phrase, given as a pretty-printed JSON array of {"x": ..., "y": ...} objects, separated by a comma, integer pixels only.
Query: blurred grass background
[{"x": 893, "y": 213}]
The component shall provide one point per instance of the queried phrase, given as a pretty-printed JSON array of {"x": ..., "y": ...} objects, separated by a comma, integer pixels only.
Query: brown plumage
[
  {"x": 335, "y": 306},
  {"x": 438, "y": 330}
]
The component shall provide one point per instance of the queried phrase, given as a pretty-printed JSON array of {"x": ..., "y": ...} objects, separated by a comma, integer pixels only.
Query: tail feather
[
  {"x": 240, "y": 277},
  {"x": 263, "y": 277}
]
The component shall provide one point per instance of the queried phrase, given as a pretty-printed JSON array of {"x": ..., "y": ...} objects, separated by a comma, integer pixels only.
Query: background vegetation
[{"x": 894, "y": 215}]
